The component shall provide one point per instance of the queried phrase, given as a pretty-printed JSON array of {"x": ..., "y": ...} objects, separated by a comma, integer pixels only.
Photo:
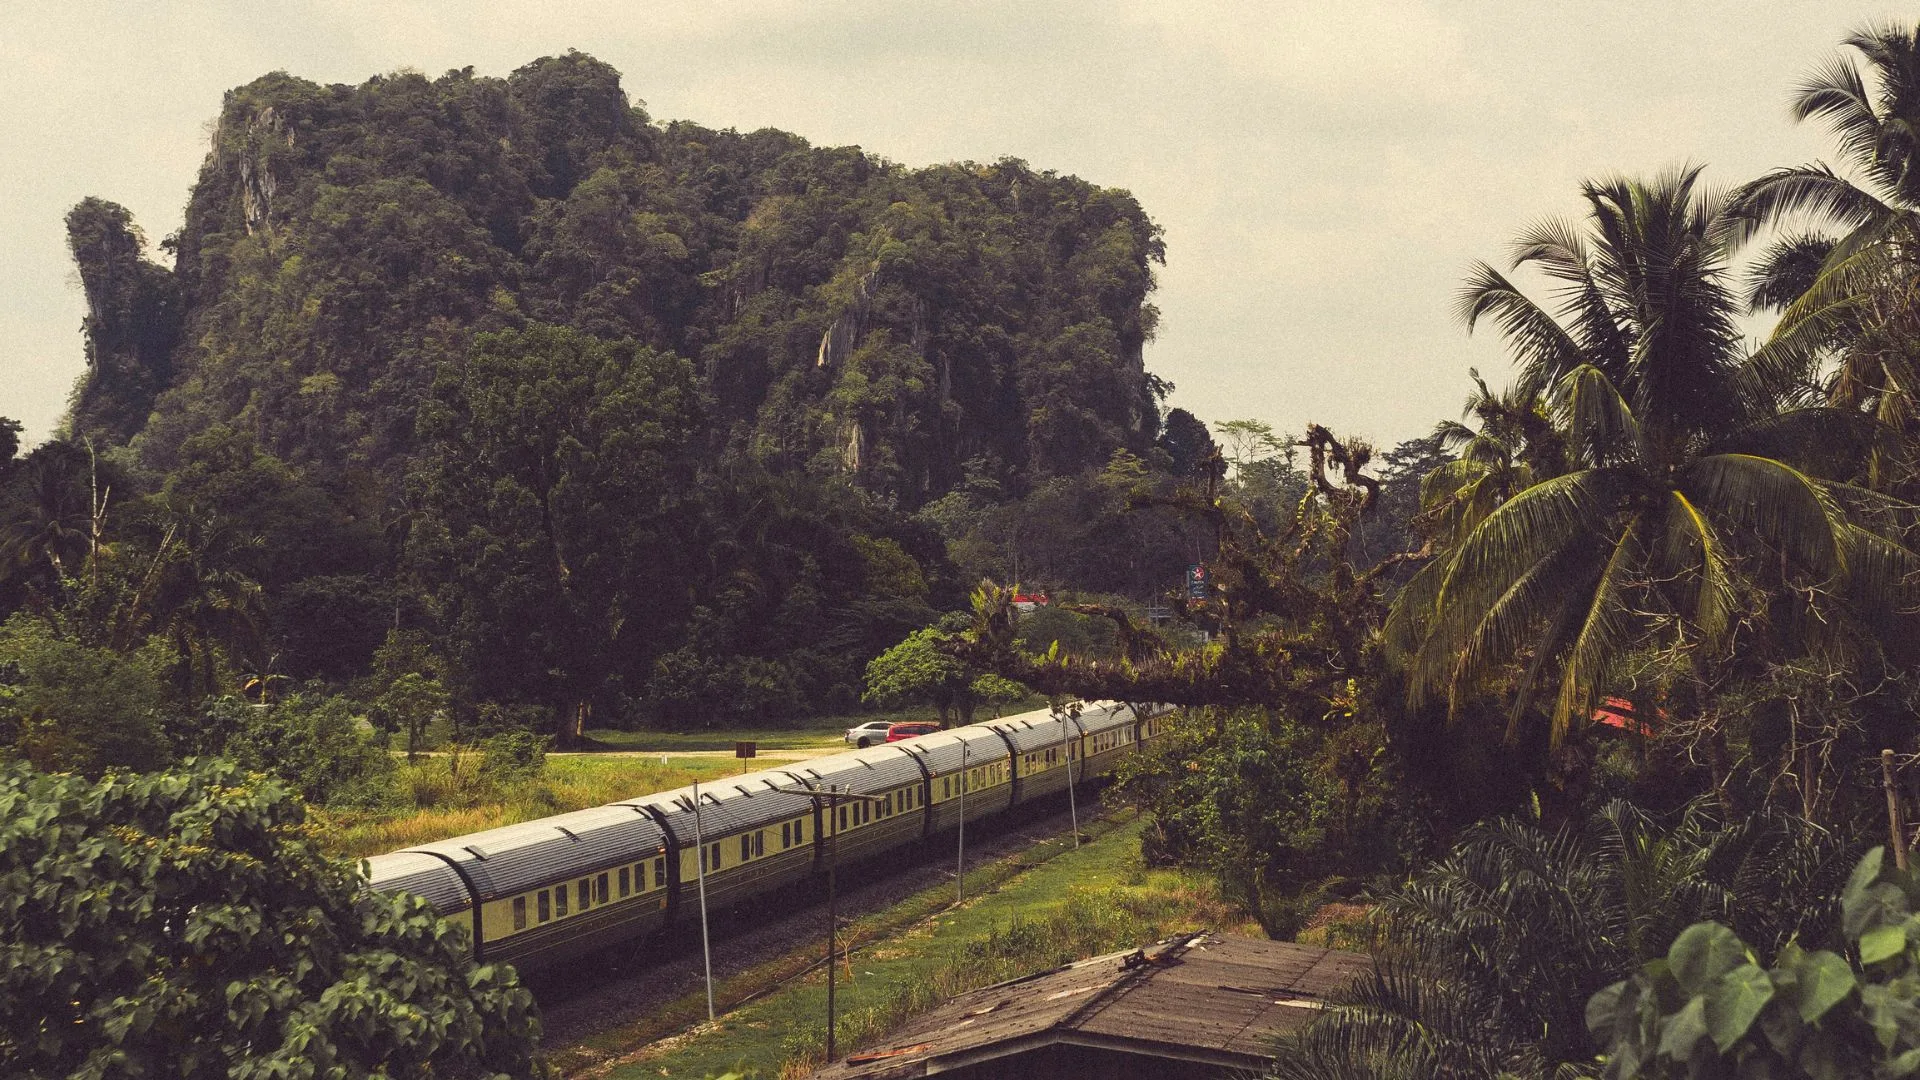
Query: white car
[{"x": 869, "y": 734}]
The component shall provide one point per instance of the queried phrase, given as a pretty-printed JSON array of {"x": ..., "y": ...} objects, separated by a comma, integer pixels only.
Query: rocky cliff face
[{"x": 344, "y": 242}]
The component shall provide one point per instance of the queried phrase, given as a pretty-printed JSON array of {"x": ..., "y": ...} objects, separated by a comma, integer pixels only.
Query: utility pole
[
  {"x": 830, "y": 839},
  {"x": 1071, "y": 746},
  {"x": 960, "y": 870},
  {"x": 700, "y": 841}
]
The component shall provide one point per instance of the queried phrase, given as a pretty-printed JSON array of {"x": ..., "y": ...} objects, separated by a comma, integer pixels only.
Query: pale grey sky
[{"x": 1324, "y": 169}]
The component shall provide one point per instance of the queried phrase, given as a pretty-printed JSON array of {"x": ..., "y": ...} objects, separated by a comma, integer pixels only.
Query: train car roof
[
  {"x": 943, "y": 752},
  {"x": 1030, "y": 733},
  {"x": 513, "y": 858},
  {"x": 1102, "y": 715},
  {"x": 731, "y": 805},
  {"x": 877, "y": 768},
  {"x": 421, "y": 874}
]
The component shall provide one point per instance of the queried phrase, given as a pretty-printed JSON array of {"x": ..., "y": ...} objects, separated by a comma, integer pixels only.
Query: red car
[{"x": 910, "y": 730}]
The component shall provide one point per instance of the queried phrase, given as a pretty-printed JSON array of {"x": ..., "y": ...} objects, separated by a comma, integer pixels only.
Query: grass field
[
  {"x": 1040, "y": 908},
  {"x": 442, "y": 796}
]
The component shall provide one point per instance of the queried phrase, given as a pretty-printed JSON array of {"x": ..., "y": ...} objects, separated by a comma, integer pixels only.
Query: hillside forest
[{"x": 493, "y": 408}]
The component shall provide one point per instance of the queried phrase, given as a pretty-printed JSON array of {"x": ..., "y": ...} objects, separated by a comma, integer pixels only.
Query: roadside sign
[{"x": 1197, "y": 580}]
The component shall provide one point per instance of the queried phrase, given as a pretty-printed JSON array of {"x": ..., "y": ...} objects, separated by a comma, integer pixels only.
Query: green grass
[
  {"x": 1034, "y": 910},
  {"x": 443, "y": 796}
]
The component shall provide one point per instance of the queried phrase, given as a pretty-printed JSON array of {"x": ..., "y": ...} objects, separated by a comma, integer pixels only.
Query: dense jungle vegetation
[{"x": 492, "y": 408}]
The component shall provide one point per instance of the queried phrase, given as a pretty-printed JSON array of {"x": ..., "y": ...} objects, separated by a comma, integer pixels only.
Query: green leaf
[
  {"x": 1854, "y": 897},
  {"x": 1882, "y": 943},
  {"x": 1684, "y": 1030},
  {"x": 1702, "y": 953},
  {"x": 1733, "y": 1002},
  {"x": 1822, "y": 980},
  {"x": 1603, "y": 1010},
  {"x": 1904, "y": 1065}
]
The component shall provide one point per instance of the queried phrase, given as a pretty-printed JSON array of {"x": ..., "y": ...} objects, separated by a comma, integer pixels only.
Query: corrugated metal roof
[
  {"x": 424, "y": 875},
  {"x": 1202, "y": 997}
]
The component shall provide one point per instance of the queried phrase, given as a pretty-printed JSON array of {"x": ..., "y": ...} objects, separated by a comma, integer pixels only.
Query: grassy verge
[
  {"x": 1036, "y": 909},
  {"x": 442, "y": 796}
]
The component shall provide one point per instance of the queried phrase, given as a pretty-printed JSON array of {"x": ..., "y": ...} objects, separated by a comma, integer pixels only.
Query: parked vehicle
[
  {"x": 865, "y": 735},
  {"x": 910, "y": 730}
]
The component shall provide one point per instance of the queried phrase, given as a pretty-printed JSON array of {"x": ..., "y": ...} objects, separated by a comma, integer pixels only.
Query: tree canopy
[{"x": 184, "y": 924}]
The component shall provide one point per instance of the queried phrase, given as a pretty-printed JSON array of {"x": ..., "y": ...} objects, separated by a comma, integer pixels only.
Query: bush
[
  {"x": 73, "y": 707},
  {"x": 513, "y": 755},
  {"x": 316, "y": 745},
  {"x": 185, "y": 924}
]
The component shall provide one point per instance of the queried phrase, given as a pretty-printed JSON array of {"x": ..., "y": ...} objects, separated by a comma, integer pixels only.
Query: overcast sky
[{"x": 1324, "y": 171}]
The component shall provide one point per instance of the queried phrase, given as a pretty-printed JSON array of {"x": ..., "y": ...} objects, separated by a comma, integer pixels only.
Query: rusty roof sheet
[{"x": 1201, "y": 997}]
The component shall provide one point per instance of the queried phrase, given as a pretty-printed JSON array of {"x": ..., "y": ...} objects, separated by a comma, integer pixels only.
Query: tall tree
[
  {"x": 1845, "y": 286},
  {"x": 558, "y": 462},
  {"x": 1684, "y": 482}
]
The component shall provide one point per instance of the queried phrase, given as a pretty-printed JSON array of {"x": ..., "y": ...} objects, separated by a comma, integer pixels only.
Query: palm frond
[
  {"x": 1603, "y": 633},
  {"x": 1543, "y": 346},
  {"x": 1782, "y": 505},
  {"x": 1598, "y": 421}
]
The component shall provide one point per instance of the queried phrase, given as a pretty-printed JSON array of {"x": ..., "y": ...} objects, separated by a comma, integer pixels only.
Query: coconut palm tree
[
  {"x": 1684, "y": 479},
  {"x": 1512, "y": 445},
  {"x": 1846, "y": 287}
]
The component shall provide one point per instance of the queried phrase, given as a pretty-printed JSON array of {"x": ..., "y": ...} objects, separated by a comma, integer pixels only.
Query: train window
[
  {"x": 759, "y": 842},
  {"x": 546, "y": 910},
  {"x": 600, "y": 888},
  {"x": 786, "y": 835},
  {"x": 624, "y": 889},
  {"x": 841, "y": 821},
  {"x": 519, "y": 913},
  {"x": 746, "y": 847},
  {"x": 586, "y": 894},
  {"x": 717, "y": 863},
  {"x": 559, "y": 901},
  {"x": 659, "y": 873}
]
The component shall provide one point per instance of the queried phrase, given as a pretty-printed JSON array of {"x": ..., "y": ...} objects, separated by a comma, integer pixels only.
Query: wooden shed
[{"x": 1192, "y": 1007}]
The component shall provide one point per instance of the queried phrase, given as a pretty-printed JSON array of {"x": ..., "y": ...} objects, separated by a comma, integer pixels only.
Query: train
[{"x": 541, "y": 893}]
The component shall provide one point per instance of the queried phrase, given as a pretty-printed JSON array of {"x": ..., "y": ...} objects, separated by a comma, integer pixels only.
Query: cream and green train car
[
  {"x": 541, "y": 892},
  {"x": 1046, "y": 750},
  {"x": 752, "y": 834},
  {"x": 891, "y": 816},
  {"x": 1109, "y": 731},
  {"x": 969, "y": 770}
]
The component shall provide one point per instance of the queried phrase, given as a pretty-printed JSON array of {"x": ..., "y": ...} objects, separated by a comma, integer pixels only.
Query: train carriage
[
  {"x": 1045, "y": 751},
  {"x": 969, "y": 770},
  {"x": 559, "y": 887},
  {"x": 755, "y": 834},
  {"x": 862, "y": 828},
  {"x": 1108, "y": 731}
]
